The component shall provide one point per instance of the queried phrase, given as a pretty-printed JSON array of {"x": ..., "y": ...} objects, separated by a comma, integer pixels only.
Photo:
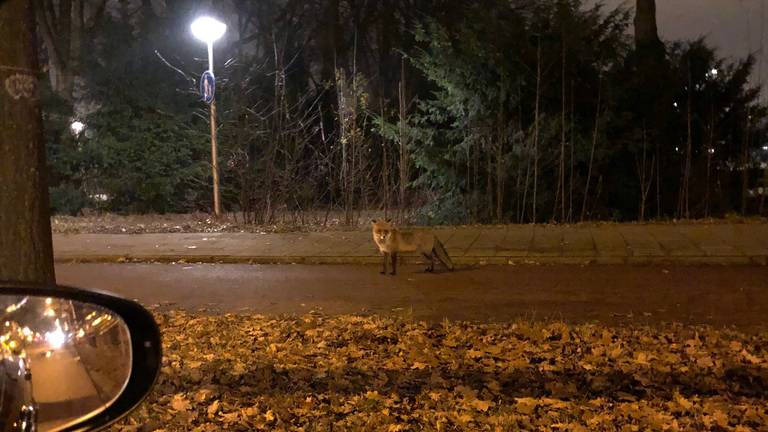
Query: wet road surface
[{"x": 612, "y": 294}]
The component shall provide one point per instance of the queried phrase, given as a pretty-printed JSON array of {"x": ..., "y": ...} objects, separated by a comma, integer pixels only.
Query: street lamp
[
  {"x": 209, "y": 30},
  {"x": 77, "y": 126}
]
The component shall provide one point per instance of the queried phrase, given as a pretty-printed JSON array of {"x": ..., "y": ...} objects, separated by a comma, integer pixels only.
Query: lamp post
[{"x": 209, "y": 30}]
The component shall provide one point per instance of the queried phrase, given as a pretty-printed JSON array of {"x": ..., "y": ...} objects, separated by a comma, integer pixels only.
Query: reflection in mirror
[{"x": 62, "y": 361}]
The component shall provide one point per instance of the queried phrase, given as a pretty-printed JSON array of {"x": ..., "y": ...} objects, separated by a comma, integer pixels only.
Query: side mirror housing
[{"x": 72, "y": 359}]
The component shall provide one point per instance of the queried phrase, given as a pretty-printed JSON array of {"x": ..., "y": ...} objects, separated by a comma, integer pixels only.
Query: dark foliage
[{"x": 454, "y": 112}]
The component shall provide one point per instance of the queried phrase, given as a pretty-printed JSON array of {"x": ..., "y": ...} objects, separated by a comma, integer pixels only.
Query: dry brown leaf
[
  {"x": 481, "y": 405},
  {"x": 180, "y": 403},
  {"x": 213, "y": 408},
  {"x": 228, "y": 418},
  {"x": 345, "y": 372}
]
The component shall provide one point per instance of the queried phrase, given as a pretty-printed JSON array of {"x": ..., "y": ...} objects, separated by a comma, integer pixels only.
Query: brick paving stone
[
  {"x": 516, "y": 242},
  {"x": 712, "y": 239},
  {"x": 487, "y": 243},
  {"x": 461, "y": 240},
  {"x": 673, "y": 242},
  {"x": 639, "y": 241},
  {"x": 609, "y": 243},
  {"x": 547, "y": 241},
  {"x": 577, "y": 242}
]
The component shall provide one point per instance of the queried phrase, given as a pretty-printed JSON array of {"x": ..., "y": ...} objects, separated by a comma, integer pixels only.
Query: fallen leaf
[
  {"x": 180, "y": 403},
  {"x": 213, "y": 409},
  {"x": 481, "y": 405}
]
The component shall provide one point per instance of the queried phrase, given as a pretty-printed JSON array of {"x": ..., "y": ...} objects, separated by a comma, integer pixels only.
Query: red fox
[{"x": 392, "y": 241}]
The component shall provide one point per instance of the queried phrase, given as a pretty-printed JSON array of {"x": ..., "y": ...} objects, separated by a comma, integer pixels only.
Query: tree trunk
[
  {"x": 653, "y": 67},
  {"x": 658, "y": 182},
  {"x": 573, "y": 167},
  {"x": 384, "y": 167},
  {"x": 761, "y": 209},
  {"x": 489, "y": 175},
  {"x": 710, "y": 152},
  {"x": 646, "y": 32},
  {"x": 536, "y": 132},
  {"x": 592, "y": 151},
  {"x": 745, "y": 166},
  {"x": 331, "y": 47},
  {"x": 520, "y": 200},
  {"x": 500, "y": 136},
  {"x": 562, "y": 141},
  {"x": 476, "y": 150},
  {"x": 62, "y": 25},
  {"x": 403, "y": 138},
  {"x": 683, "y": 204},
  {"x": 646, "y": 179},
  {"x": 26, "y": 252}
]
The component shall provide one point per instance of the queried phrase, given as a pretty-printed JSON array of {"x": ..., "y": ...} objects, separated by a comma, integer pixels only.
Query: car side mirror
[{"x": 72, "y": 359}]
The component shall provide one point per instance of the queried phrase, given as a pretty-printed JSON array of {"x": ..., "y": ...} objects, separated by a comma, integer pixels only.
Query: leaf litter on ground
[
  {"x": 317, "y": 373},
  {"x": 308, "y": 221}
]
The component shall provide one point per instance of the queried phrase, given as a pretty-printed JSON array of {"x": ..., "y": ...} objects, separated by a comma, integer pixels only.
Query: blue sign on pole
[{"x": 207, "y": 86}]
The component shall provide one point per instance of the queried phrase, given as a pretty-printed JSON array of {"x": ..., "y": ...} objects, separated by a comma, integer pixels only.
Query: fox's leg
[
  {"x": 394, "y": 263},
  {"x": 386, "y": 258},
  {"x": 431, "y": 260}
]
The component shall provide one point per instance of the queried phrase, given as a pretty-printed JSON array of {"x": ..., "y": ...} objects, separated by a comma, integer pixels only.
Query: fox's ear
[
  {"x": 389, "y": 220},
  {"x": 373, "y": 221}
]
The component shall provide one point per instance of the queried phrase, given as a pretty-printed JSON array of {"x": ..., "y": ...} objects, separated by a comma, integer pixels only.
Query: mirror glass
[{"x": 62, "y": 361}]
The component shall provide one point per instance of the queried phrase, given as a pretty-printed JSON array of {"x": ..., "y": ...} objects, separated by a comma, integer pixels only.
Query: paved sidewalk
[{"x": 577, "y": 244}]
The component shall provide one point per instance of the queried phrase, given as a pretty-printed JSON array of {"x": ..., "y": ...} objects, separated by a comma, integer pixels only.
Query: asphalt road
[{"x": 612, "y": 294}]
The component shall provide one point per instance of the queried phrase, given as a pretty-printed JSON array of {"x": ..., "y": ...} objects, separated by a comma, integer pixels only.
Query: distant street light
[
  {"x": 209, "y": 30},
  {"x": 713, "y": 72},
  {"x": 77, "y": 126}
]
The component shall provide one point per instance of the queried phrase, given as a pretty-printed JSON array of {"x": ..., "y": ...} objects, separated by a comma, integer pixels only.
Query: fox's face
[{"x": 382, "y": 230}]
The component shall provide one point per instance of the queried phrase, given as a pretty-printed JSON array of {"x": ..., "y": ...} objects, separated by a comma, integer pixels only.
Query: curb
[{"x": 759, "y": 260}]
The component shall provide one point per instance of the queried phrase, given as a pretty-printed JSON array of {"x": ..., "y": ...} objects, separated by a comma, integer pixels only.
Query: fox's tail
[{"x": 442, "y": 254}]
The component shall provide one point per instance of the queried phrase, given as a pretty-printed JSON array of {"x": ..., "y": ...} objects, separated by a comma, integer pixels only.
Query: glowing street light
[
  {"x": 713, "y": 72},
  {"x": 55, "y": 338},
  {"x": 77, "y": 126},
  {"x": 209, "y": 30}
]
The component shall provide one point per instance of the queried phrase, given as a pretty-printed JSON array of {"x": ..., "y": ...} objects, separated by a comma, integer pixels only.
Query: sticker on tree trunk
[{"x": 21, "y": 85}]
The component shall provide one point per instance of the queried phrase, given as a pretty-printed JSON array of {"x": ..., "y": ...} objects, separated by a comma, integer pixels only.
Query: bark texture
[{"x": 26, "y": 252}]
